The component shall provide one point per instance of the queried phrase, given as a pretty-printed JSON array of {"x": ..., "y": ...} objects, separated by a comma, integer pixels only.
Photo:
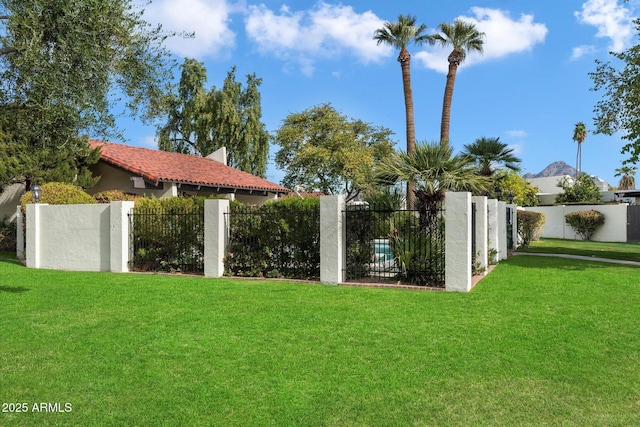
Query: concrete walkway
[{"x": 585, "y": 258}]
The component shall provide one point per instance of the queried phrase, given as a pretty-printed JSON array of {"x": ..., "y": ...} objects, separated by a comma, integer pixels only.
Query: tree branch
[{"x": 7, "y": 50}]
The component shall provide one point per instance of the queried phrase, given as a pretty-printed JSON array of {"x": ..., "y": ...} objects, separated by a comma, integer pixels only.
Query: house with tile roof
[{"x": 164, "y": 174}]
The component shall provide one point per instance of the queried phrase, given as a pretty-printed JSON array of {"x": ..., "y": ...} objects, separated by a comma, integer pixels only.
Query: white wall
[
  {"x": 78, "y": 237},
  {"x": 9, "y": 199},
  {"x": 613, "y": 230}
]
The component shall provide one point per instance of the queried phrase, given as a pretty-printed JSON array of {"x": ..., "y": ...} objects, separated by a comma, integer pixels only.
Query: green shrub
[
  {"x": 55, "y": 193},
  {"x": 585, "y": 223},
  {"x": 278, "y": 239},
  {"x": 58, "y": 193},
  {"x": 168, "y": 234},
  {"x": 8, "y": 235},
  {"x": 109, "y": 196},
  {"x": 529, "y": 226}
]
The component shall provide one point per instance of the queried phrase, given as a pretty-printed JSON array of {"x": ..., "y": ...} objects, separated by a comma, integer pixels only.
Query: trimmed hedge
[
  {"x": 168, "y": 234},
  {"x": 585, "y": 223},
  {"x": 529, "y": 226},
  {"x": 278, "y": 239},
  {"x": 109, "y": 196},
  {"x": 58, "y": 193}
]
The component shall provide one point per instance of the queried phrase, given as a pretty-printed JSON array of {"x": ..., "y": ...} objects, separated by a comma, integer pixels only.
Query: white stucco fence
[
  {"x": 96, "y": 237},
  {"x": 614, "y": 228},
  {"x": 78, "y": 237}
]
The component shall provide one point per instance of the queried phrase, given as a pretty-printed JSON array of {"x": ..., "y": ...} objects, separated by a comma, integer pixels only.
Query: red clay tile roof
[{"x": 156, "y": 166}]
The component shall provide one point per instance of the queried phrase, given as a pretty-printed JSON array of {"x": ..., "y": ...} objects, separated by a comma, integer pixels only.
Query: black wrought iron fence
[
  {"x": 275, "y": 240},
  {"x": 510, "y": 243},
  {"x": 167, "y": 239},
  {"x": 385, "y": 245}
]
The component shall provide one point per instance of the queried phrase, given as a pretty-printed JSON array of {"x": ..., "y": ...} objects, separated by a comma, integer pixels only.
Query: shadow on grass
[
  {"x": 560, "y": 263},
  {"x": 13, "y": 289}
]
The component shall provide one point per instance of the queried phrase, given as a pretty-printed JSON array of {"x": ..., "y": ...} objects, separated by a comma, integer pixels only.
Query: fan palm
[
  {"x": 489, "y": 153},
  {"x": 627, "y": 180},
  {"x": 434, "y": 170},
  {"x": 400, "y": 35},
  {"x": 463, "y": 37},
  {"x": 579, "y": 135}
]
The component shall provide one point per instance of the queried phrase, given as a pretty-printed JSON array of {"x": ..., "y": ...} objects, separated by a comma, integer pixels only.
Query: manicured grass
[
  {"x": 540, "y": 341},
  {"x": 622, "y": 251}
]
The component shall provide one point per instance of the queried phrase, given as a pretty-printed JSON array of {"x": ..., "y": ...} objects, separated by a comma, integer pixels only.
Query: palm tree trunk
[
  {"x": 454, "y": 60},
  {"x": 405, "y": 63}
]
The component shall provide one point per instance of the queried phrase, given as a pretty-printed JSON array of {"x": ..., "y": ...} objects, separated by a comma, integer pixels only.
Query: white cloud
[
  {"x": 503, "y": 36},
  {"x": 582, "y": 50},
  {"x": 516, "y": 133},
  {"x": 208, "y": 19},
  {"x": 327, "y": 31},
  {"x": 612, "y": 20}
]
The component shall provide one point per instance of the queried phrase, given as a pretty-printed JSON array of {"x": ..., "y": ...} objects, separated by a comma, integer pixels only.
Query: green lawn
[
  {"x": 622, "y": 251},
  {"x": 540, "y": 341}
]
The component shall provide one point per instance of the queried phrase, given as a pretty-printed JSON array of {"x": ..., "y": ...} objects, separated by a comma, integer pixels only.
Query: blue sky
[{"x": 529, "y": 88}]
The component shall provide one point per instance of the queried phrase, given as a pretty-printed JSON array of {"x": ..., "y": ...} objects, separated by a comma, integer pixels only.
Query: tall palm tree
[
  {"x": 400, "y": 35},
  {"x": 463, "y": 37},
  {"x": 627, "y": 180},
  {"x": 434, "y": 170},
  {"x": 489, "y": 153},
  {"x": 579, "y": 135}
]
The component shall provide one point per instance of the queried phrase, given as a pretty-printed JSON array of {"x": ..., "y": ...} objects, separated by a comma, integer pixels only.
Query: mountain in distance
[{"x": 559, "y": 168}]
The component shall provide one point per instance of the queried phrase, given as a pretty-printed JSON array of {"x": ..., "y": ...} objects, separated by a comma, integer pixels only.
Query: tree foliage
[
  {"x": 489, "y": 154},
  {"x": 400, "y": 35},
  {"x": 64, "y": 64},
  {"x": 627, "y": 180},
  {"x": 579, "y": 135},
  {"x": 434, "y": 170},
  {"x": 200, "y": 121},
  {"x": 321, "y": 149},
  {"x": 579, "y": 190},
  {"x": 516, "y": 187},
  {"x": 618, "y": 110},
  {"x": 462, "y": 37}
]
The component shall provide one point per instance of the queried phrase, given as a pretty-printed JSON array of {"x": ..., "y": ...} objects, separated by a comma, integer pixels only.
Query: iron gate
[
  {"x": 386, "y": 245},
  {"x": 167, "y": 240},
  {"x": 509, "y": 228}
]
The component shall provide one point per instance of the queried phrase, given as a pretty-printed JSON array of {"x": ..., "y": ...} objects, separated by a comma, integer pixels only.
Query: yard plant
[
  {"x": 585, "y": 223},
  {"x": 540, "y": 341}
]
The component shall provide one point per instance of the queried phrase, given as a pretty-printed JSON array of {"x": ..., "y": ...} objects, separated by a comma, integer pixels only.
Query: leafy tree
[
  {"x": 579, "y": 190},
  {"x": 617, "y": 111},
  {"x": 579, "y": 135},
  {"x": 627, "y": 180},
  {"x": 400, "y": 35},
  {"x": 322, "y": 149},
  {"x": 61, "y": 64},
  {"x": 435, "y": 170},
  {"x": 516, "y": 188},
  {"x": 200, "y": 121},
  {"x": 463, "y": 37},
  {"x": 489, "y": 153}
]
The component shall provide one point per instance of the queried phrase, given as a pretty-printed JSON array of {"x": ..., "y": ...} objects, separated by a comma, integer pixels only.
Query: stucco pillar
[
  {"x": 119, "y": 235},
  {"x": 216, "y": 236},
  {"x": 33, "y": 234},
  {"x": 482, "y": 250},
  {"x": 502, "y": 231},
  {"x": 458, "y": 242},
  {"x": 514, "y": 223},
  {"x": 332, "y": 239},
  {"x": 19, "y": 234},
  {"x": 492, "y": 229}
]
